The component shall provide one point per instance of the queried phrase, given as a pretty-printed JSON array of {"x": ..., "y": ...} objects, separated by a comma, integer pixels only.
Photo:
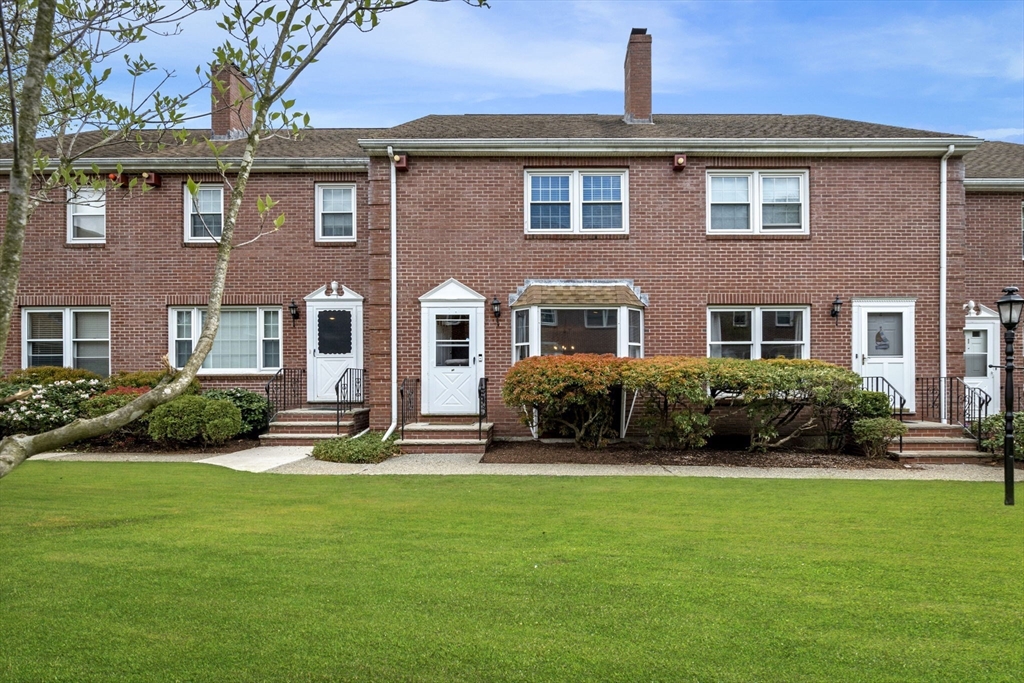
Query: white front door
[
  {"x": 454, "y": 361},
  {"x": 334, "y": 339},
  {"x": 981, "y": 339},
  {"x": 883, "y": 343}
]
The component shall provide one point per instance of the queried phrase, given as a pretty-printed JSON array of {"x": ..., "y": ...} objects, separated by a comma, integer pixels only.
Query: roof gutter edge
[
  {"x": 353, "y": 164},
  {"x": 994, "y": 184}
]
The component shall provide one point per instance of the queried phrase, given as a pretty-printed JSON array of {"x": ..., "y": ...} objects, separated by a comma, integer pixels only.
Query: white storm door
[
  {"x": 334, "y": 339},
  {"x": 981, "y": 350},
  {"x": 883, "y": 344},
  {"x": 452, "y": 361}
]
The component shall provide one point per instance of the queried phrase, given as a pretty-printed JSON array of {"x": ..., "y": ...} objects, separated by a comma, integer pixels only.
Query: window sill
[
  {"x": 758, "y": 236},
  {"x": 85, "y": 245},
  {"x": 200, "y": 245},
  {"x": 576, "y": 236},
  {"x": 339, "y": 243}
]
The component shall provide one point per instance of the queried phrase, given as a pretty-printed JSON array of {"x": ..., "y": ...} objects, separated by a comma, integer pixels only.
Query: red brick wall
[
  {"x": 144, "y": 262},
  {"x": 874, "y": 232}
]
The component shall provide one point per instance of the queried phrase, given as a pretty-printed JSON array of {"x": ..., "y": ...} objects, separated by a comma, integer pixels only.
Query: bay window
[
  {"x": 563, "y": 331},
  {"x": 248, "y": 339}
]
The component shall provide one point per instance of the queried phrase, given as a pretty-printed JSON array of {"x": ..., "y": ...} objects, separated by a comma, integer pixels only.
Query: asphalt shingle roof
[
  {"x": 995, "y": 160},
  {"x": 558, "y": 126}
]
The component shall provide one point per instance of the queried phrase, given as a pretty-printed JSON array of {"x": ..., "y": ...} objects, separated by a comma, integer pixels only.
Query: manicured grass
[{"x": 181, "y": 572}]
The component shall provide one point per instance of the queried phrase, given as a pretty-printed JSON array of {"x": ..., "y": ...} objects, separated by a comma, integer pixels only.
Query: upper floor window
[
  {"x": 248, "y": 339},
  {"x": 335, "y": 213},
  {"x": 765, "y": 202},
  {"x": 87, "y": 216},
  {"x": 758, "y": 332},
  {"x": 580, "y": 202},
  {"x": 67, "y": 337},
  {"x": 204, "y": 214}
]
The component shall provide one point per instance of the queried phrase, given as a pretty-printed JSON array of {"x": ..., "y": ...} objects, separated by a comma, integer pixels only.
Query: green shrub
[
  {"x": 108, "y": 402},
  {"x": 676, "y": 404},
  {"x": 369, "y": 448},
  {"x": 255, "y": 407},
  {"x": 148, "y": 379},
  {"x": 993, "y": 434},
  {"x": 570, "y": 393},
  {"x": 863, "y": 404},
  {"x": 192, "y": 419},
  {"x": 50, "y": 406},
  {"x": 876, "y": 433},
  {"x": 48, "y": 374}
]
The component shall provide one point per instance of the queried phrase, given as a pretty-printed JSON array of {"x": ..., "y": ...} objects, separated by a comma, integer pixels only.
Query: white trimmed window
[
  {"x": 564, "y": 331},
  {"x": 757, "y": 202},
  {"x": 248, "y": 339},
  {"x": 759, "y": 332},
  {"x": 577, "y": 202},
  {"x": 87, "y": 216},
  {"x": 335, "y": 213},
  {"x": 67, "y": 337},
  {"x": 204, "y": 214}
]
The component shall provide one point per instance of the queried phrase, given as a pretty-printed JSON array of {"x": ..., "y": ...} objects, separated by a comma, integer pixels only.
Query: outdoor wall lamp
[
  {"x": 1010, "y": 306},
  {"x": 496, "y": 308},
  {"x": 294, "y": 310},
  {"x": 837, "y": 305}
]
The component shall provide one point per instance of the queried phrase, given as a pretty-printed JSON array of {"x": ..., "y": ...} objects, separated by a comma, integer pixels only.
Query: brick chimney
[
  {"x": 230, "y": 108},
  {"x": 638, "y": 78}
]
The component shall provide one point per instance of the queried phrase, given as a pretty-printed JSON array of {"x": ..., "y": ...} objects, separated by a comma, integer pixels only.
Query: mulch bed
[
  {"x": 536, "y": 452},
  {"x": 101, "y": 446}
]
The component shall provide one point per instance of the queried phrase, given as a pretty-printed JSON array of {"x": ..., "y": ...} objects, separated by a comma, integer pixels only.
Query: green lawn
[{"x": 182, "y": 572}]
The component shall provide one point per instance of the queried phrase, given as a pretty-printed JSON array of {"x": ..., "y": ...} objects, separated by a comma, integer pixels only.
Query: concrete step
[
  {"x": 424, "y": 431},
  {"x": 945, "y": 457},
  {"x": 296, "y": 439},
  {"x": 937, "y": 443},
  {"x": 311, "y": 415},
  {"x": 474, "y": 446},
  {"x": 301, "y": 427}
]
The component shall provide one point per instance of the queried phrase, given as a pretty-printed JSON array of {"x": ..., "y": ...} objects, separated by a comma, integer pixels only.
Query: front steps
[
  {"x": 451, "y": 437},
  {"x": 307, "y": 426},
  {"x": 936, "y": 443}
]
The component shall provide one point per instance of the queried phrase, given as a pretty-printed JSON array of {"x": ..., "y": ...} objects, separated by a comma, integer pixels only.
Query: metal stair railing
[
  {"x": 481, "y": 392},
  {"x": 965, "y": 405},
  {"x": 348, "y": 391},
  {"x": 286, "y": 389},
  {"x": 896, "y": 399},
  {"x": 409, "y": 396}
]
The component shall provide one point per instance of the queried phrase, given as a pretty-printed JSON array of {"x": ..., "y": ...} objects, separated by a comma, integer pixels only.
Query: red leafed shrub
[{"x": 571, "y": 393}]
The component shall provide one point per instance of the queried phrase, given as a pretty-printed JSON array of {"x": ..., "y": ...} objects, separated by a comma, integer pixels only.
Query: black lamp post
[{"x": 1010, "y": 306}]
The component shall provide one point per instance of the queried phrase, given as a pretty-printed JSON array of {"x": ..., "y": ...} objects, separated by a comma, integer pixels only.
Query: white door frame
[
  {"x": 985, "y": 318},
  {"x": 331, "y": 297},
  {"x": 906, "y": 306},
  {"x": 444, "y": 298}
]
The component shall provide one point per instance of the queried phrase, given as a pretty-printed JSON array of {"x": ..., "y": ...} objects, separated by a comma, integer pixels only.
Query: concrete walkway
[{"x": 296, "y": 460}]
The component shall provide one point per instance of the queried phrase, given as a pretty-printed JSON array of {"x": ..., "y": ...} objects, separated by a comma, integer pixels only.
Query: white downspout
[
  {"x": 943, "y": 408},
  {"x": 394, "y": 299}
]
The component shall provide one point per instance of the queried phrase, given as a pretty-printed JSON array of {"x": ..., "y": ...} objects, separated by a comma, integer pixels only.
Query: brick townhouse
[{"x": 498, "y": 237}]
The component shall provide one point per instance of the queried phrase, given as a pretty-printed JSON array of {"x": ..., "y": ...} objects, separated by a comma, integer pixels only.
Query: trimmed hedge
[
  {"x": 369, "y": 448},
  {"x": 148, "y": 379},
  {"x": 255, "y": 408},
  {"x": 192, "y": 419},
  {"x": 680, "y": 394},
  {"x": 875, "y": 434},
  {"x": 47, "y": 374}
]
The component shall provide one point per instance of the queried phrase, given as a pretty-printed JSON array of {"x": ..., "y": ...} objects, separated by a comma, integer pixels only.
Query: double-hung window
[
  {"x": 67, "y": 337},
  {"x": 87, "y": 216},
  {"x": 577, "y": 202},
  {"x": 248, "y": 339},
  {"x": 204, "y": 213},
  {"x": 758, "y": 332},
  {"x": 335, "y": 213},
  {"x": 757, "y": 202}
]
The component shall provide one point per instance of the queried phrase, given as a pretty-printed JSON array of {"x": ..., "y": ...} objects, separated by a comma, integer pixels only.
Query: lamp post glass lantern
[{"x": 1010, "y": 307}]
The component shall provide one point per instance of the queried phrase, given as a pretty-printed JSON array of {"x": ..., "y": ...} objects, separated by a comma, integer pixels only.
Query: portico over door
[
  {"x": 452, "y": 349},
  {"x": 883, "y": 343},
  {"x": 334, "y": 339}
]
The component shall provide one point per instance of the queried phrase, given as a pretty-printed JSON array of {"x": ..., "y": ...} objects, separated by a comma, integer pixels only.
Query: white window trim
[
  {"x": 320, "y": 237},
  {"x": 755, "y": 177},
  {"x": 754, "y": 321},
  {"x": 576, "y": 200},
  {"x": 188, "y": 214},
  {"x": 67, "y": 331},
  {"x": 622, "y": 343},
  {"x": 197, "y": 330},
  {"x": 71, "y": 239}
]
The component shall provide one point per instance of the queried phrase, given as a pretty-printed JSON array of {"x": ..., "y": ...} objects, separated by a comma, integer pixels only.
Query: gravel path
[{"x": 285, "y": 460}]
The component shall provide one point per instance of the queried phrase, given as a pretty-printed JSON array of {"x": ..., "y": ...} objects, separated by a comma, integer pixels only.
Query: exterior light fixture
[
  {"x": 496, "y": 308},
  {"x": 837, "y": 305},
  {"x": 1010, "y": 306},
  {"x": 294, "y": 310}
]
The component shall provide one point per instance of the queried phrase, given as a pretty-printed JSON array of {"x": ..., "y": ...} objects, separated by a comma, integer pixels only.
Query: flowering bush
[
  {"x": 50, "y": 406},
  {"x": 47, "y": 374}
]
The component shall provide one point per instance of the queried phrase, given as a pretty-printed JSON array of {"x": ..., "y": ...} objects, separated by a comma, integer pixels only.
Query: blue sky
[{"x": 955, "y": 67}]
